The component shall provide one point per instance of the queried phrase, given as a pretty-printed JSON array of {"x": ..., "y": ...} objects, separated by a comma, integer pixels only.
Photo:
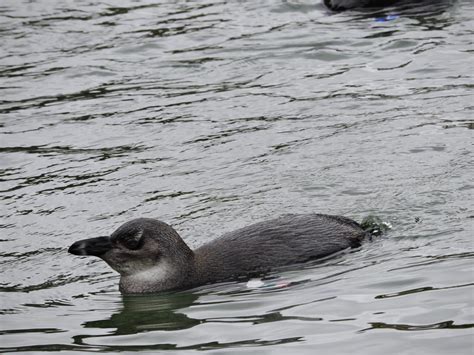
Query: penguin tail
[{"x": 375, "y": 225}]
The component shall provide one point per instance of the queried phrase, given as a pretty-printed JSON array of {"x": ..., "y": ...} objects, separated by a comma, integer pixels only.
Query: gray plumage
[{"x": 151, "y": 256}]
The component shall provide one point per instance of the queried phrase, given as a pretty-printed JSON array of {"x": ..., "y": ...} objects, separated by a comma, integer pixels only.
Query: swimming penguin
[
  {"x": 340, "y": 5},
  {"x": 150, "y": 256}
]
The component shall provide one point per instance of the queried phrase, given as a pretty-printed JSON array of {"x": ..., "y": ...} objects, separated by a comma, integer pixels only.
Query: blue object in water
[{"x": 386, "y": 18}]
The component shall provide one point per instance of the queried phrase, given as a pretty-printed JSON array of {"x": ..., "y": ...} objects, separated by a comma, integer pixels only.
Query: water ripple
[{"x": 214, "y": 115}]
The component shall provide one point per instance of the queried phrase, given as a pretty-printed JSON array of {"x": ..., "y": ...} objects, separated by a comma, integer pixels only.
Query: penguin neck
[{"x": 163, "y": 276}]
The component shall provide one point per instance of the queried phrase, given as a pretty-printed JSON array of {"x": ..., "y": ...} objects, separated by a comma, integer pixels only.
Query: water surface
[{"x": 212, "y": 115}]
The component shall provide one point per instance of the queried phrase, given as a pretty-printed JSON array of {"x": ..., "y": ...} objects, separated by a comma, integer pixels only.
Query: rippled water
[{"x": 211, "y": 115}]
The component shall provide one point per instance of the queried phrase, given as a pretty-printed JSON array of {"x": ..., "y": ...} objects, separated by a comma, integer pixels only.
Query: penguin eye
[{"x": 132, "y": 241}]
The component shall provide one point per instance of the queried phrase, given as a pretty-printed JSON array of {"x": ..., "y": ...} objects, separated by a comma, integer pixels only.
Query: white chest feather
[{"x": 160, "y": 272}]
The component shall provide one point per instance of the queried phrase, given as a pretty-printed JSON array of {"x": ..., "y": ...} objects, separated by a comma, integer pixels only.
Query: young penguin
[{"x": 150, "y": 256}]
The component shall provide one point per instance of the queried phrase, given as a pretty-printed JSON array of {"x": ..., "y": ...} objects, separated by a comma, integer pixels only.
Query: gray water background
[{"x": 212, "y": 115}]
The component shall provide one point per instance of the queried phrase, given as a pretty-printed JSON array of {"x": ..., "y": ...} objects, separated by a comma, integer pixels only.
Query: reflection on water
[
  {"x": 150, "y": 312},
  {"x": 213, "y": 115}
]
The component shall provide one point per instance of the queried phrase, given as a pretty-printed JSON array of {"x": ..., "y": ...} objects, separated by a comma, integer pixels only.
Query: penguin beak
[{"x": 93, "y": 246}]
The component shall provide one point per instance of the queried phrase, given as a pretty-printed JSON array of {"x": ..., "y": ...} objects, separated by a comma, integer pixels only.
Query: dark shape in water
[
  {"x": 150, "y": 256},
  {"x": 340, "y": 5},
  {"x": 148, "y": 313}
]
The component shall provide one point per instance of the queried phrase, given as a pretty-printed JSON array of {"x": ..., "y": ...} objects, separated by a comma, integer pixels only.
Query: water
[{"x": 213, "y": 115}]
